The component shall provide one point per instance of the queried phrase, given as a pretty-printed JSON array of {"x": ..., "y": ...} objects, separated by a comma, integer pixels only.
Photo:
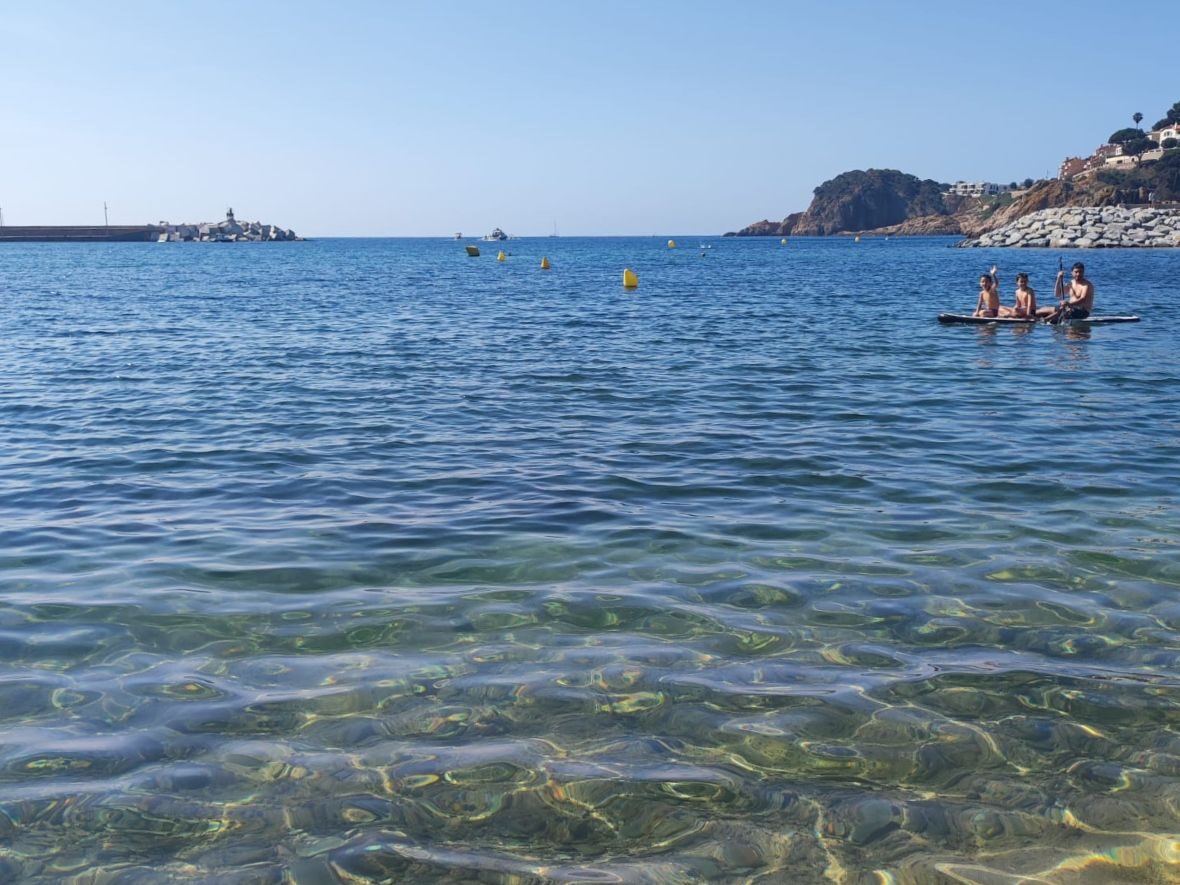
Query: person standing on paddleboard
[
  {"x": 1077, "y": 303},
  {"x": 988, "y": 304}
]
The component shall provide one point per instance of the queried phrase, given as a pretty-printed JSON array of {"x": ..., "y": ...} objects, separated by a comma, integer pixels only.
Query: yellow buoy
[
  {"x": 671, "y": 244},
  {"x": 630, "y": 280},
  {"x": 783, "y": 241},
  {"x": 856, "y": 239},
  {"x": 544, "y": 263},
  {"x": 473, "y": 251},
  {"x": 501, "y": 256}
]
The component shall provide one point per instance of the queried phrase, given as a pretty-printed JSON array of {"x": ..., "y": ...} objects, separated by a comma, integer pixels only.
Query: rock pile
[
  {"x": 229, "y": 231},
  {"x": 1088, "y": 228}
]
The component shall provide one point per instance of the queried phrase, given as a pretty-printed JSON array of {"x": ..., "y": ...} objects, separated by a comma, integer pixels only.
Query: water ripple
[{"x": 357, "y": 560}]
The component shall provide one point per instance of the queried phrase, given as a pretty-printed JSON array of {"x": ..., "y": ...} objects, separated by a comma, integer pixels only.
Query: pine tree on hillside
[{"x": 1170, "y": 119}]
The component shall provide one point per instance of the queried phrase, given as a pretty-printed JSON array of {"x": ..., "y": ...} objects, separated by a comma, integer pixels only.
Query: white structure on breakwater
[
  {"x": 229, "y": 231},
  {"x": 1077, "y": 227}
]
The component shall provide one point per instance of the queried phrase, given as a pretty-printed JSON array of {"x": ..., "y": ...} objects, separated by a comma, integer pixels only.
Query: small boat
[
  {"x": 496, "y": 234},
  {"x": 963, "y": 319},
  {"x": 458, "y": 236}
]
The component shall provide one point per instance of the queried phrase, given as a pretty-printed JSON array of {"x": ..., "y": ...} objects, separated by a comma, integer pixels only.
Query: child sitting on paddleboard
[
  {"x": 988, "y": 304},
  {"x": 1026, "y": 300}
]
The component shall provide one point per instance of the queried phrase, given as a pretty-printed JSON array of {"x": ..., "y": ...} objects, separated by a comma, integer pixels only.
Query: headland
[{"x": 1133, "y": 170}]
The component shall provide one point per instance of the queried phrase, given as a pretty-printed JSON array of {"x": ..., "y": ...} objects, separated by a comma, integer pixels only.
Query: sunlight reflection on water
[{"x": 358, "y": 559}]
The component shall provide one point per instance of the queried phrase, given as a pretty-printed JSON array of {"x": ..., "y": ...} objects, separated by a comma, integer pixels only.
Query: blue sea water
[{"x": 362, "y": 560}]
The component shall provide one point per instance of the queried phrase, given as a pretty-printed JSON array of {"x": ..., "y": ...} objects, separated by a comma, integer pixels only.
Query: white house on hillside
[
  {"x": 1159, "y": 136},
  {"x": 977, "y": 189}
]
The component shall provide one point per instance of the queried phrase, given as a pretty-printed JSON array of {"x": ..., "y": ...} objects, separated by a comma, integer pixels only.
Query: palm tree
[{"x": 1138, "y": 118}]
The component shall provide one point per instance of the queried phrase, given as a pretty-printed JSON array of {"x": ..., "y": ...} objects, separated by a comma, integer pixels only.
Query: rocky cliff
[
  {"x": 1052, "y": 194},
  {"x": 923, "y": 225},
  {"x": 768, "y": 228},
  {"x": 889, "y": 202},
  {"x": 857, "y": 201}
]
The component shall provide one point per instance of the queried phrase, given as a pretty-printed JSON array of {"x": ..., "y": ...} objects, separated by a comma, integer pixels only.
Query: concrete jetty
[
  {"x": 80, "y": 234},
  {"x": 229, "y": 231}
]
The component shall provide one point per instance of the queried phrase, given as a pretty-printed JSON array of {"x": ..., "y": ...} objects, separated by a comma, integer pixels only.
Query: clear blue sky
[{"x": 408, "y": 119}]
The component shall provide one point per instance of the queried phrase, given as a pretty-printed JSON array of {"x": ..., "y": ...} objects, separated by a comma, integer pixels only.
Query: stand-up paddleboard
[
  {"x": 1098, "y": 321},
  {"x": 966, "y": 319},
  {"x": 963, "y": 319}
]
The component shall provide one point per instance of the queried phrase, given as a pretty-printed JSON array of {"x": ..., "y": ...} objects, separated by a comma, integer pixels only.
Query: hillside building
[
  {"x": 977, "y": 189},
  {"x": 1083, "y": 167},
  {"x": 1159, "y": 136}
]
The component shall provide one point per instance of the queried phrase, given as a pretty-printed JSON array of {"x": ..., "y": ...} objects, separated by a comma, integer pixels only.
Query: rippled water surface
[{"x": 350, "y": 561}]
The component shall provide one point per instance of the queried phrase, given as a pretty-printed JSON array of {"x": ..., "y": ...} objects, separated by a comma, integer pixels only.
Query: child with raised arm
[{"x": 988, "y": 304}]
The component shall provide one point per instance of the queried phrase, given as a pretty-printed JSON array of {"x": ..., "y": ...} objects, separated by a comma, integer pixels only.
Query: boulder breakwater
[
  {"x": 1106, "y": 227},
  {"x": 229, "y": 231}
]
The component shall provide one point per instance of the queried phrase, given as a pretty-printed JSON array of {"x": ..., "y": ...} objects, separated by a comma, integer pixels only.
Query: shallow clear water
[{"x": 360, "y": 560}]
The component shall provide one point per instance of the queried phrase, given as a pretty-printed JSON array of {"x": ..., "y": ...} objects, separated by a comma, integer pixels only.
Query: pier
[{"x": 145, "y": 233}]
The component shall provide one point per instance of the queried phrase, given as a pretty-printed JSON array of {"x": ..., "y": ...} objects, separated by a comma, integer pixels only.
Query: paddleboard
[
  {"x": 961, "y": 319},
  {"x": 1100, "y": 321},
  {"x": 966, "y": 319}
]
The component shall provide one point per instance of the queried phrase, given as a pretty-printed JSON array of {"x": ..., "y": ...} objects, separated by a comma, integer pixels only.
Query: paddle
[
  {"x": 1059, "y": 292},
  {"x": 1063, "y": 296}
]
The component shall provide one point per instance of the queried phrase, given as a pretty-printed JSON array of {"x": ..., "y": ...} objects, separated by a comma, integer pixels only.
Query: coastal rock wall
[
  {"x": 245, "y": 232},
  {"x": 1088, "y": 228},
  {"x": 229, "y": 231}
]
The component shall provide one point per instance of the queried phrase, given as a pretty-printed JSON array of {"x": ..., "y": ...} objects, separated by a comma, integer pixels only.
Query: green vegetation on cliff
[
  {"x": 866, "y": 199},
  {"x": 860, "y": 200},
  {"x": 1161, "y": 178},
  {"x": 893, "y": 185},
  {"x": 1170, "y": 118}
]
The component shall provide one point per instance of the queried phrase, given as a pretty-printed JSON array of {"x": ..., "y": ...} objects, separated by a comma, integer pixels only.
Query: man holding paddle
[{"x": 1079, "y": 302}]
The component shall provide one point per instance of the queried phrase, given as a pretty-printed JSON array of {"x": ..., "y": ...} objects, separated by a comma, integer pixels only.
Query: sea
[{"x": 363, "y": 560}]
